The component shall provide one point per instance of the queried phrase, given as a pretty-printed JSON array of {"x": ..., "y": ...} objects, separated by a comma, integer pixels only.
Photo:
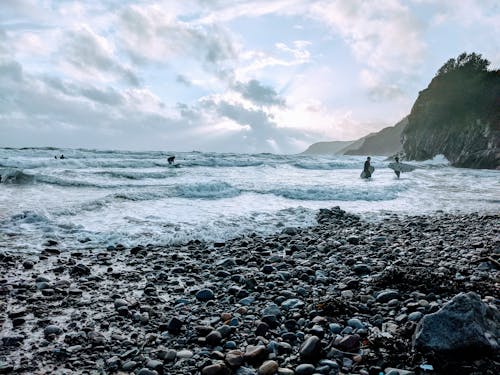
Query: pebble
[{"x": 268, "y": 368}]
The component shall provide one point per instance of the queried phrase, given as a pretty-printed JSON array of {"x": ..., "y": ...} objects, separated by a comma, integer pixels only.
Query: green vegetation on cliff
[{"x": 457, "y": 115}]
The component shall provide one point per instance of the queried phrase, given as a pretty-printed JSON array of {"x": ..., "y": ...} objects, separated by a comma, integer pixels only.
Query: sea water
[{"x": 96, "y": 198}]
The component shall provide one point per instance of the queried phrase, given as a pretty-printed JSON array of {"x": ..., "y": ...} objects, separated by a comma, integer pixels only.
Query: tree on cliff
[{"x": 472, "y": 62}]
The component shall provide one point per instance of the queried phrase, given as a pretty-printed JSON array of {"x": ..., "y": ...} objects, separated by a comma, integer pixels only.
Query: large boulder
[{"x": 465, "y": 326}]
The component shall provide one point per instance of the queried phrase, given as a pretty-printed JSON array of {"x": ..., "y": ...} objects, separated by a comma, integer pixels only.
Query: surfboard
[
  {"x": 363, "y": 174},
  {"x": 401, "y": 167}
]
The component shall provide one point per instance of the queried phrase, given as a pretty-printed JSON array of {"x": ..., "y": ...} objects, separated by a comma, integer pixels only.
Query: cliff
[
  {"x": 333, "y": 147},
  {"x": 457, "y": 115},
  {"x": 385, "y": 142}
]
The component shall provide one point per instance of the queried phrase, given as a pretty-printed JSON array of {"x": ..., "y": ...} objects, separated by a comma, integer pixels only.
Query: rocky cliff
[
  {"x": 333, "y": 147},
  {"x": 457, "y": 115},
  {"x": 385, "y": 142}
]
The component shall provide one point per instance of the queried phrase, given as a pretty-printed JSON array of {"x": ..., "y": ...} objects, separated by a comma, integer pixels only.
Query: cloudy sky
[{"x": 224, "y": 75}]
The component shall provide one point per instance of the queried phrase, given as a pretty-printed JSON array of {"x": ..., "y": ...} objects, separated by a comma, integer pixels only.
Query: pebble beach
[{"x": 346, "y": 296}]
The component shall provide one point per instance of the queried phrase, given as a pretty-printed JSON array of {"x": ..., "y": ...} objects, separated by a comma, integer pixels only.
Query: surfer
[
  {"x": 398, "y": 173},
  {"x": 171, "y": 159},
  {"x": 366, "y": 168},
  {"x": 62, "y": 157}
]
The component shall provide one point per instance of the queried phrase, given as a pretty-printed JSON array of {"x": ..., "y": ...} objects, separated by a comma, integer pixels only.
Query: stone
[
  {"x": 304, "y": 369},
  {"x": 268, "y": 368},
  {"x": 271, "y": 309},
  {"x": 234, "y": 358},
  {"x": 80, "y": 270},
  {"x": 255, "y": 353},
  {"x": 205, "y": 295},
  {"x": 387, "y": 295},
  {"x": 52, "y": 330},
  {"x": 464, "y": 326},
  {"x": 215, "y": 369},
  {"x": 349, "y": 343},
  {"x": 311, "y": 348},
  {"x": 292, "y": 303},
  {"x": 146, "y": 371},
  {"x": 156, "y": 365},
  {"x": 214, "y": 338},
  {"x": 174, "y": 325},
  {"x": 184, "y": 354}
]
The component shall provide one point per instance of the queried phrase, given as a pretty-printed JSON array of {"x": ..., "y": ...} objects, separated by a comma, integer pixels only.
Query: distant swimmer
[
  {"x": 61, "y": 157},
  {"x": 171, "y": 160}
]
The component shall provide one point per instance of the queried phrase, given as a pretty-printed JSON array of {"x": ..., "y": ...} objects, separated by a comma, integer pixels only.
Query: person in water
[
  {"x": 62, "y": 157},
  {"x": 366, "y": 168},
  {"x": 398, "y": 173},
  {"x": 171, "y": 160}
]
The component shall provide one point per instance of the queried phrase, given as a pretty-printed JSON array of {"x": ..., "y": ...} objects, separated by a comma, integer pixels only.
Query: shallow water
[{"x": 99, "y": 198}]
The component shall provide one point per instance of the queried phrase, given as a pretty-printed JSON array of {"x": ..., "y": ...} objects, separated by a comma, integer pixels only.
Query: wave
[
  {"x": 208, "y": 190},
  {"x": 318, "y": 165},
  {"x": 212, "y": 190},
  {"x": 337, "y": 194},
  {"x": 15, "y": 176},
  {"x": 130, "y": 175}
]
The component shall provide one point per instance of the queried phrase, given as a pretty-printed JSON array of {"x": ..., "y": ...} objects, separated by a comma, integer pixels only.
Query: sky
[{"x": 224, "y": 75}]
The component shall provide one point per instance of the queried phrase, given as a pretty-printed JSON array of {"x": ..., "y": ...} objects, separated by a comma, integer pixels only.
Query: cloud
[
  {"x": 93, "y": 54},
  {"x": 258, "y": 93},
  {"x": 152, "y": 35}
]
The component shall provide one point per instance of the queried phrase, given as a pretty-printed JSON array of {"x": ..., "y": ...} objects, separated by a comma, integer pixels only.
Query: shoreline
[{"x": 303, "y": 296}]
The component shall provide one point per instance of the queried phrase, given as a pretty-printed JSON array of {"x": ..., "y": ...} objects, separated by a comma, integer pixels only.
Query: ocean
[{"x": 95, "y": 198}]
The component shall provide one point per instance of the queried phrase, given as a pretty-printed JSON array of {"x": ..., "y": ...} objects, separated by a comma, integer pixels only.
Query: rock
[
  {"x": 12, "y": 340},
  {"x": 234, "y": 358},
  {"x": 214, "y": 338},
  {"x": 311, "y": 348},
  {"x": 355, "y": 323},
  {"x": 156, "y": 365},
  {"x": 271, "y": 309},
  {"x": 292, "y": 303},
  {"x": 184, "y": 354},
  {"x": 255, "y": 353},
  {"x": 216, "y": 369},
  {"x": 80, "y": 270},
  {"x": 28, "y": 264},
  {"x": 464, "y": 326},
  {"x": 174, "y": 325},
  {"x": 52, "y": 330},
  {"x": 205, "y": 295},
  {"x": 129, "y": 366},
  {"x": 268, "y": 368},
  {"x": 6, "y": 368},
  {"x": 387, "y": 295},
  {"x": 397, "y": 371},
  {"x": 304, "y": 369},
  {"x": 145, "y": 371},
  {"x": 349, "y": 343}
]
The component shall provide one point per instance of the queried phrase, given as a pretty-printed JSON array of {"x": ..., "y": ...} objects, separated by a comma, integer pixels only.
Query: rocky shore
[{"x": 401, "y": 295}]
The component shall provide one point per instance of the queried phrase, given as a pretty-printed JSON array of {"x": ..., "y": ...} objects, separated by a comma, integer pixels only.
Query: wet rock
[
  {"x": 216, "y": 369},
  {"x": 156, "y": 365},
  {"x": 255, "y": 353},
  {"x": 268, "y": 368},
  {"x": 387, "y": 295},
  {"x": 214, "y": 338},
  {"x": 304, "y": 369},
  {"x": 311, "y": 348},
  {"x": 80, "y": 270},
  {"x": 12, "y": 340},
  {"x": 234, "y": 358},
  {"x": 52, "y": 330},
  {"x": 464, "y": 326},
  {"x": 205, "y": 295}
]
